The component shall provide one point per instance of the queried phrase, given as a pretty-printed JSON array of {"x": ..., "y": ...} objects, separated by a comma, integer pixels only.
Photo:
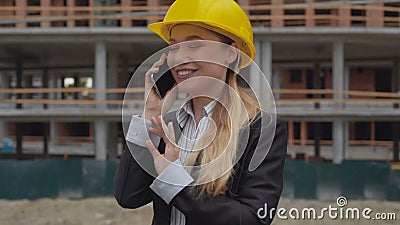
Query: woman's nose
[{"x": 181, "y": 55}]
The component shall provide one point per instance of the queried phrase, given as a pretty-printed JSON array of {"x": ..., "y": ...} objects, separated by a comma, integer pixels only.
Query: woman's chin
[{"x": 188, "y": 87}]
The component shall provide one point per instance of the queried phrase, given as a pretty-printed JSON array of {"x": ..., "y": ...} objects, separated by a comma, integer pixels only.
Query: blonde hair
[{"x": 213, "y": 178}]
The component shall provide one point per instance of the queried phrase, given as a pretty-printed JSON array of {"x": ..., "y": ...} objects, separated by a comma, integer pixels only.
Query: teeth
[{"x": 184, "y": 72}]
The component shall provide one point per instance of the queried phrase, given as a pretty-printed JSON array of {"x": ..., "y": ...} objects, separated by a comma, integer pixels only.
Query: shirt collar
[{"x": 186, "y": 110}]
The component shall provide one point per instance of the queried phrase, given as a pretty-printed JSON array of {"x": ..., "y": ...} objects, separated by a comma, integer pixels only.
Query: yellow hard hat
[{"x": 222, "y": 16}]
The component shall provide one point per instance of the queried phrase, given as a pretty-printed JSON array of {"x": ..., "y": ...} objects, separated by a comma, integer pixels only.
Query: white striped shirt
[
  {"x": 177, "y": 176},
  {"x": 185, "y": 117}
]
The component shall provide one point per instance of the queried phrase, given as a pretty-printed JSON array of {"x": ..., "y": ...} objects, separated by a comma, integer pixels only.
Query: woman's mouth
[{"x": 184, "y": 74}]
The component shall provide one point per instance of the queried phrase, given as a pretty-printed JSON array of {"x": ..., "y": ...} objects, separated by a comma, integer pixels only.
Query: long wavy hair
[{"x": 213, "y": 178}]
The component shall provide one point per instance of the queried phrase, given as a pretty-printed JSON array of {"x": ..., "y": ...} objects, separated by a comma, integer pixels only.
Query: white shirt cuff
[
  {"x": 138, "y": 132},
  {"x": 171, "y": 181}
]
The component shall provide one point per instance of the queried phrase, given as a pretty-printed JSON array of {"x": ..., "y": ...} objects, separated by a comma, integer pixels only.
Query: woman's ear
[{"x": 233, "y": 53}]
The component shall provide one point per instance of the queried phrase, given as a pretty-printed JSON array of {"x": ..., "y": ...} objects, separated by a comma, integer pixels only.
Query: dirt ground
[{"x": 105, "y": 211}]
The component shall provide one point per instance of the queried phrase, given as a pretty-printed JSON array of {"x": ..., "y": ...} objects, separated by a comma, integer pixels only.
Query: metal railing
[
  {"x": 345, "y": 14},
  {"x": 289, "y": 96}
]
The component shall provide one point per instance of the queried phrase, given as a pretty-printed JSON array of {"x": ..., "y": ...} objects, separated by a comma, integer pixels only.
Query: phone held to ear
[{"x": 163, "y": 80}]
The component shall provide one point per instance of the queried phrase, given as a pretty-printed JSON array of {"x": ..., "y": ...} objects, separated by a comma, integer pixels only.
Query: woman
[{"x": 226, "y": 192}]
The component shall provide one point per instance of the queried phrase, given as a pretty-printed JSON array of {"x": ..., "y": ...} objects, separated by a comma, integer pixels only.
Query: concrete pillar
[
  {"x": 5, "y": 84},
  {"x": 338, "y": 141},
  {"x": 344, "y": 14},
  {"x": 112, "y": 142},
  {"x": 112, "y": 77},
  {"x": 59, "y": 84},
  {"x": 317, "y": 78},
  {"x": 18, "y": 125},
  {"x": 266, "y": 66},
  {"x": 255, "y": 76},
  {"x": 100, "y": 139},
  {"x": 52, "y": 84},
  {"x": 126, "y": 22},
  {"x": 316, "y": 126},
  {"x": 93, "y": 3},
  {"x": 303, "y": 133},
  {"x": 266, "y": 60},
  {"x": 346, "y": 136},
  {"x": 396, "y": 76},
  {"x": 54, "y": 132},
  {"x": 310, "y": 22},
  {"x": 70, "y": 13},
  {"x": 45, "y": 12},
  {"x": 276, "y": 82},
  {"x": 375, "y": 15},
  {"x": 20, "y": 11},
  {"x": 112, "y": 82},
  {"x": 46, "y": 125},
  {"x": 346, "y": 87},
  {"x": 338, "y": 85},
  {"x": 100, "y": 126},
  {"x": 277, "y": 14},
  {"x": 124, "y": 76},
  {"x": 396, "y": 124},
  {"x": 100, "y": 70},
  {"x": 346, "y": 81},
  {"x": 338, "y": 70},
  {"x": 45, "y": 84}
]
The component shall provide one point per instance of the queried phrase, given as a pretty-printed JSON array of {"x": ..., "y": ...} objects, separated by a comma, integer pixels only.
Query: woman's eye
[
  {"x": 194, "y": 46},
  {"x": 172, "y": 48}
]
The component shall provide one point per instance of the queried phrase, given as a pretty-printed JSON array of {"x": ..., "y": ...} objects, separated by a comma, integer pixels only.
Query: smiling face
[{"x": 195, "y": 52}]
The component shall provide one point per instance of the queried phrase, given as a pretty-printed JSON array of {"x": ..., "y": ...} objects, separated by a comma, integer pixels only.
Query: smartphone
[{"x": 163, "y": 80}]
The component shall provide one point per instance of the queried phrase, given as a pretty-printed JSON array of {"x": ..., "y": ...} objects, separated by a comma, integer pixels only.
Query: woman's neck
[{"x": 198, "y": 105}]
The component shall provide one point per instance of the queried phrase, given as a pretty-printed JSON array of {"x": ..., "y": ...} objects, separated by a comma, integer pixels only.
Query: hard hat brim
[{"x": 248, "y": 51}]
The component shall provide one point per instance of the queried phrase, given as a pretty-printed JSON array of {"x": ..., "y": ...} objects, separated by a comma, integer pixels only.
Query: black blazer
[{"x": 248, "y": 191}]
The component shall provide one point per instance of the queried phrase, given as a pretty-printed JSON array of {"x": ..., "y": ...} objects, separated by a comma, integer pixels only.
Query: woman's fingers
[
  {"x": 171, "y": 131},
  {"x": 161, "y": 61},
  {"x": 160, "y": 128},
  {"x": 172, "y": 151},
  {"x": 167, "y": 133},
  {"x": 157, "y": 132},
  {"x": 153, "y": 150},
  {"x": 156, "y": 66},
  {"x": 157, "y": 122},
  {"x": 168, "y": 137},
  {"x": 152, "y": 71}
]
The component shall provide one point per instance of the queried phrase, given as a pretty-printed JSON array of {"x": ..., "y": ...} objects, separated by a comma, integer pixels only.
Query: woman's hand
[
  {"x": 153, "y": 104},
  {"x": 161, "y": 161}
]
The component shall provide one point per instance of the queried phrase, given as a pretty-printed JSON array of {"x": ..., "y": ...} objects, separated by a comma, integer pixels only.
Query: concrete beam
[{"x": 142, "y": 34}]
